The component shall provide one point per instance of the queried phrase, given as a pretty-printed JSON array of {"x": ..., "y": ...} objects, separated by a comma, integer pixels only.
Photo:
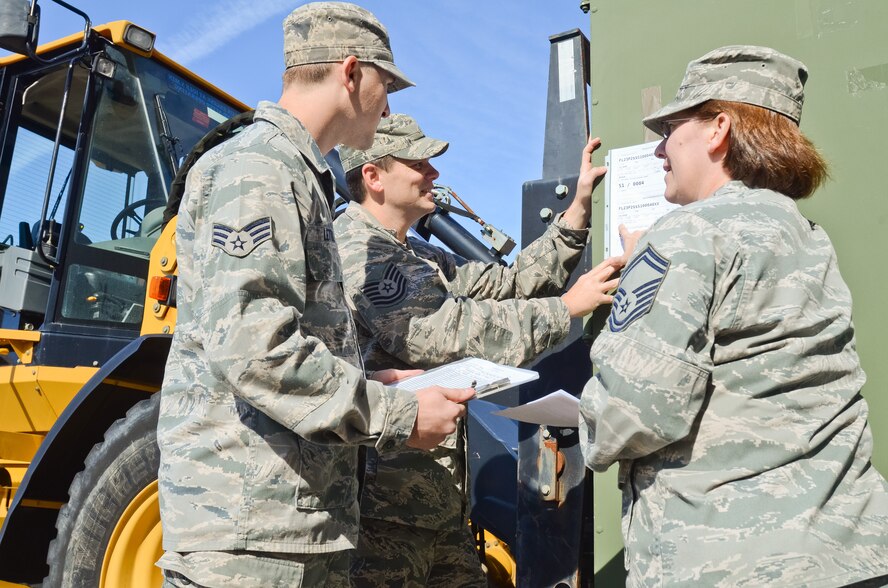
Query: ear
[
  {"x": 372, "y": 180},
  {"x": 350, "y": 73},
  {"x": 720, "y": 130}
]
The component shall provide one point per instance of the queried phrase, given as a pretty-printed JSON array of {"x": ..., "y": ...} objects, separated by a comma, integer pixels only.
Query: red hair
[{"x": 767, "y": 149}]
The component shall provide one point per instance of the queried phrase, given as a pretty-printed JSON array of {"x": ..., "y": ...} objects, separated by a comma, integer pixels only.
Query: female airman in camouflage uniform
[{"x": 729, "y": 386}]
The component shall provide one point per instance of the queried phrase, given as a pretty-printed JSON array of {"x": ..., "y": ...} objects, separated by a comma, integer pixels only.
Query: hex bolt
[
  {"x": 561, "y": 191},
  {"x": 546, "y": 214},
  {"x": 546, "y": 489}
]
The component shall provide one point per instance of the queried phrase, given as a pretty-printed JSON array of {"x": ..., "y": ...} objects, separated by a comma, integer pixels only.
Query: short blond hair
[{"x": 307, "y": 74}]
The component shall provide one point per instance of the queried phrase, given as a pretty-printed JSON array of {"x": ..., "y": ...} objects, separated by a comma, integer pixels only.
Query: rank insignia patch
[
  {"x": 242, "y": 242},
  {"x": 389, "y": 289},
  {"x": 638, "y": 288}
]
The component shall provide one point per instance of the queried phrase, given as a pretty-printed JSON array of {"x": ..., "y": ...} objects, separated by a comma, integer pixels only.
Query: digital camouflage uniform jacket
[
  {"x": 729, "y": 390},
  {"x": 419, "y": 306},
  {"x": 261, "y": 404}
]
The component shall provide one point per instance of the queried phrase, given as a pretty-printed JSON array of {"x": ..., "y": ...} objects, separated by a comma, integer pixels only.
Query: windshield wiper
[{"x": 170, "y": 143}]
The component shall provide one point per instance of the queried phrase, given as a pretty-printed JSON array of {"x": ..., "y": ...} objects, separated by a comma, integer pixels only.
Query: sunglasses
[{"x": 667, "y": 127}]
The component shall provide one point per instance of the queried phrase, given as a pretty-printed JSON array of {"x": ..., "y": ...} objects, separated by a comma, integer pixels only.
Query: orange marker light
[{"x": 159, "y": 288}]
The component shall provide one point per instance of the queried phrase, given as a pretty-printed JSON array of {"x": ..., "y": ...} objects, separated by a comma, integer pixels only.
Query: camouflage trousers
[
  {"x": 249, "y": 569},
  {"x": 400, "y": 556}
]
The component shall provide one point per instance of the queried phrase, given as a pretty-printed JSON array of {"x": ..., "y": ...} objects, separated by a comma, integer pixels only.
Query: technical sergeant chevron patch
[{"x": 388, "y": 290}]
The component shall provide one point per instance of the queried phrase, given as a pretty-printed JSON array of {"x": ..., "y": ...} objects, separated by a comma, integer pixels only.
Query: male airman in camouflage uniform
[
  {"x": 262, "y": 405},
  {"x": 417, "y": 305},
  {"x": 729, "y": 384}
]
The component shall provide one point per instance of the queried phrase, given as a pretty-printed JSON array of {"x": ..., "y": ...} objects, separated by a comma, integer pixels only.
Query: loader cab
[{"x": 88, "y": 148}]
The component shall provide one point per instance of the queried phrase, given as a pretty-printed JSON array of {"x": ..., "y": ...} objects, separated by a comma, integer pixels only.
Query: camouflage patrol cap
[
  {"x": 399, "y": 136},
  {"x": 327, "y": 32},
  {"x": 739, "y": 73}
]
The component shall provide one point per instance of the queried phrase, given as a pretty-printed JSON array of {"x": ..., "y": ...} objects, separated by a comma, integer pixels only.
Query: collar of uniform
[
  {"x": 731, "y": 187},
  {"x": 293, "y": 129},
  {"x": 357, "y": 212}
]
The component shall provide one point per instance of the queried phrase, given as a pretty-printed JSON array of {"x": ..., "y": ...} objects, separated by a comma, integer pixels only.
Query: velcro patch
[
  {"x": 638, "y": 288},
  {"x": 242, "y": 242},
  {"x": 389, "y": 290}
]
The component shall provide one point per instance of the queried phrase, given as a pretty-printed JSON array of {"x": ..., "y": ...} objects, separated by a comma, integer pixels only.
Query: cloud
[{"x": 219, "y": 25}]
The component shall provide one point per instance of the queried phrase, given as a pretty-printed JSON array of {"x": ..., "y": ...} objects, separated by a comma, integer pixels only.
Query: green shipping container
[{"x": 639, "y": 51}]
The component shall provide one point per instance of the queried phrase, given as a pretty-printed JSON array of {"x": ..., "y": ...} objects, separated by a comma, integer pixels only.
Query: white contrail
[{"x": 226, "y": 20}]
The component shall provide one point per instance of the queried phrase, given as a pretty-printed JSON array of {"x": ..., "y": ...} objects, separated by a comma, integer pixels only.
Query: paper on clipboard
[
  {"x": 488, "y": 377},
  {"x": 558, "y": 409},
  {"x": 633, "y": 192}
]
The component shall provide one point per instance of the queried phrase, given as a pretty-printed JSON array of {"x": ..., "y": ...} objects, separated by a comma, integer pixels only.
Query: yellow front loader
[{"x": 94, "y": 128}]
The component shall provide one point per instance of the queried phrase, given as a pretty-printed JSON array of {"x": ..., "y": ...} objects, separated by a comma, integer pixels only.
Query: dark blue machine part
[{"x": 493, "y": 464}]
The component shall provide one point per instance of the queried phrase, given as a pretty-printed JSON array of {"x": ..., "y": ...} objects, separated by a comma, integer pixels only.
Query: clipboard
[{"x": 488, "y": 377}]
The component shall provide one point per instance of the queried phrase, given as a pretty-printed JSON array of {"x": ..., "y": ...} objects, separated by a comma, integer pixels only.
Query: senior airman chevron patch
[
  {"x": 389, "y": 289},
  {"x": 638, "y": 288},
  {"x": 242, "y": 242}
]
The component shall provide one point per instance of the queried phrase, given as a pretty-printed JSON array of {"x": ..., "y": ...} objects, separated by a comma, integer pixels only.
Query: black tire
[{"x": 115, "y": 471}]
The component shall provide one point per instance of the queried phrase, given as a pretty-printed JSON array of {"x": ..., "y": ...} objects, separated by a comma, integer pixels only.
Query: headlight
[{"x": 139, "y": 38}]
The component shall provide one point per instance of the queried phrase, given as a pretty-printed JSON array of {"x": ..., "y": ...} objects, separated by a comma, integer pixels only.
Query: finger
[
  {"x": 610, "y": 262},
  {"x": 586, "y": 160},
  {"x": 600, "y": 172},
  {"x": 592, "y": 144},
  {"x": 391, "y": 375},
  {"x": 599, "y": 275},
  {"x": 458, "y": 394},
  {"x": 611, "y": 284}
]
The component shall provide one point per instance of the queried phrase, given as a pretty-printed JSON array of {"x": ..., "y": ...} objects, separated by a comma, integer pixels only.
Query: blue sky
[{"x": 481, "y": 68}]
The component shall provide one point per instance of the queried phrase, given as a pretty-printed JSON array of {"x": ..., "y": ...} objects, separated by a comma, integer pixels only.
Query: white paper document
[
  {"x": 634, "y": 193},
  {"x": 558, "y": 409},
  {"x": 488, "y": 377}
]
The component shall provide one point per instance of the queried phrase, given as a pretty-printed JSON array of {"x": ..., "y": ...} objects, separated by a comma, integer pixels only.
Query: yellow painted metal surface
[
  {"x": 20, "y": 342},
  {"x": 160, "y": 318},
  {"x": 23, "y": 408},
  {"x": 47, "y": 504},
  {"x": 135, "y": 545},
  {"x": 16, "y": 472},
  {"x": 32, "y": 397},
  {"x": 59, "y": 385},
  {"x": 502, "y": 569},
  {"x": 18, "y": 446},
  {"x": 114, "y": 31}
]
